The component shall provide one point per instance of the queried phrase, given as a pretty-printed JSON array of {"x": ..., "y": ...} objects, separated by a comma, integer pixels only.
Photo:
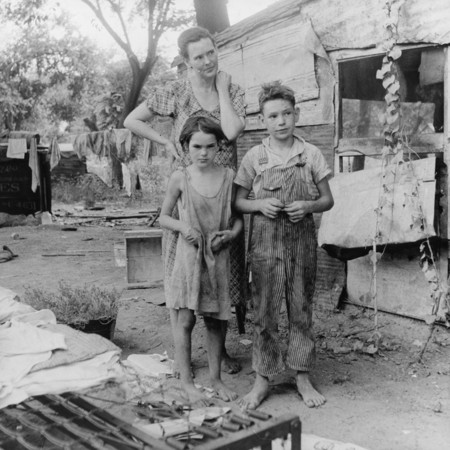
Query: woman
[{"x": 206, "y": 92}]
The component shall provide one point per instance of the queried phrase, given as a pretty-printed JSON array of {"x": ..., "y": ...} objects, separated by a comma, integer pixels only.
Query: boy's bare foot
[
  {"x": 310, "y": 396},
  {"x": 258, "y": 393},
  {"x": 223, "y": 391},
  {"x": 195, "y": 396},
  {"x": 176, "y": 371},
  {"x": 230, "y": 365}
]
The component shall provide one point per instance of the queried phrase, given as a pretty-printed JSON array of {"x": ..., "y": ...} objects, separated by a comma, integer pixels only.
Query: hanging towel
[
  {"x": 123, "y": 142},
  {"x": 33, "y": 163},
  {"x": 16, "y": 148},
  {"x": 148, "y": 152},
  {"x": 55, "y": 154},
  {"x": 81, "y": 144},
  {"x": 97, "y": 143}
]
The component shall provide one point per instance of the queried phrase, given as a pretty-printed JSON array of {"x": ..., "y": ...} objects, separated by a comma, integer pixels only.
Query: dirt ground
[{"x": 382, "y": 402}]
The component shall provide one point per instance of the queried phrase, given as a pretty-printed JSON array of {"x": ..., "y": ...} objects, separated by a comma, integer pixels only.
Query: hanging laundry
[
  {"x": 81, "y": 144},
  {"x": 16, "y": 148},
  {"x": 55, "y": 154},
  {"x": 33, "y": 163},
  {"x": 107, "y": 143},
  {"x": 148, "y": 152},
  {"x": 97, "y": 142},
  {"x": 123, "y": 142},
  {"x": 126, "y": 175}
]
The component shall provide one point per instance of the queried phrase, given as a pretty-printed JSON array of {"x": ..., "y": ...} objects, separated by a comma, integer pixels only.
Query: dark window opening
[{"x": 420, "y": 73}]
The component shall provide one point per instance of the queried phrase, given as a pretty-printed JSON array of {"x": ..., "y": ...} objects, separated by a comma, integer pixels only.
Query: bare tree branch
[
  {"x": 118, "y": 11},
  {"x": 99, "y": 13},
  {"x": 161, "y": 20}
]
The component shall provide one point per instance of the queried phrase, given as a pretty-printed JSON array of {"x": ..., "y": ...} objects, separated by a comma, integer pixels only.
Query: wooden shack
[
  {"x": 25, "y": 187},
  {"x": 329, "y": 52}
]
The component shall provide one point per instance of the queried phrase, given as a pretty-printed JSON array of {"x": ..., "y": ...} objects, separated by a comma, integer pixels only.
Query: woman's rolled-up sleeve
[
  {"x": 162, "y": 100},
  {"x": 237, "y": 95}
]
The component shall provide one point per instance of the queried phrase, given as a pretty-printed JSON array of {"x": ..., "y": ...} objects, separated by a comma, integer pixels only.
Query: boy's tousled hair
[
  {"x": 190, "y": 36},
  {"x": 200, "y": 123},
  {"x": 275, "y": 90}
]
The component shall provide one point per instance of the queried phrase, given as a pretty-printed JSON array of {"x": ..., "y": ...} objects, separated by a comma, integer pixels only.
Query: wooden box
[{"x": 143, "y": 251}]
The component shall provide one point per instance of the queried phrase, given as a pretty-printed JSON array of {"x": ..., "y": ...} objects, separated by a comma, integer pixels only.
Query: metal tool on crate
[{"x": 237, "y": 429}]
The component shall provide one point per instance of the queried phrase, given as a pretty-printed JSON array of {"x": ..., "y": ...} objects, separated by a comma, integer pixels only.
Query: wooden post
[
  {"x": 212, "y": 15},
  {"x": 443, "y": 260}
]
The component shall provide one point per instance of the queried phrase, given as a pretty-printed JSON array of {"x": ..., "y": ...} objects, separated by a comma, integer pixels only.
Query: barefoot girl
[
  {"x": 199, "y": 282},
  {"x": 209, "y": 92}
]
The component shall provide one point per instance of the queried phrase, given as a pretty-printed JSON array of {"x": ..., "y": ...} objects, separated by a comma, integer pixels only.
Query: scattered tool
[
  {"x": 7, "y": 254},
  {"x": 154, "y": 218}
]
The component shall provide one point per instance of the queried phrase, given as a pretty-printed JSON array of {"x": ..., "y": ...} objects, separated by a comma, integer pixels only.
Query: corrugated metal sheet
[{"x": 341, "y": 24}]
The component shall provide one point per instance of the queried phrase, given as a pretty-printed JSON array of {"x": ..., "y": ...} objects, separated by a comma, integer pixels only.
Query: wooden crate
[{"x": 143, "y": 251}]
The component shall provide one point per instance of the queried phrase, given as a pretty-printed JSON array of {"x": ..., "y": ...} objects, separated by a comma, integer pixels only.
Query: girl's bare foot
[
  {"x": 258, "y": 393},
  {"x": 195, "y": 396},
  {"x": 230, "y": 365},
  {"x": 311, "y": 397},
  {"x": 223, "y": 391}
]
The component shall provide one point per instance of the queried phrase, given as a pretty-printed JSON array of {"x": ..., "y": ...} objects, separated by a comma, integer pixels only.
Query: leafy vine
[{"x": 393, "y": 153}]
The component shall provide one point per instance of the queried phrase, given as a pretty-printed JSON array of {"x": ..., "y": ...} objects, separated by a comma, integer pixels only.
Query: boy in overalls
[{"x": 289, "y": 179}]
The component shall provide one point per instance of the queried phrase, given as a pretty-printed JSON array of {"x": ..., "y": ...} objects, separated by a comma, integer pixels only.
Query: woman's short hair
[
  {"x": 190, "y": 36},
  {"x": 275, "y": 91},
  {"x": 200, "y": 123}
]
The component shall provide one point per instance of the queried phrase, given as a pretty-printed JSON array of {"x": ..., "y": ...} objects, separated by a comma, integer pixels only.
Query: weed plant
[
  {"x": 86, "y": 188},
  {"x": 75, "y": 305}
]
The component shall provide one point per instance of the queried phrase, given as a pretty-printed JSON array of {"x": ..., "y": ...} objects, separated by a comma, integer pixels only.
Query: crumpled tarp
[{"x": 29, "y": 338}]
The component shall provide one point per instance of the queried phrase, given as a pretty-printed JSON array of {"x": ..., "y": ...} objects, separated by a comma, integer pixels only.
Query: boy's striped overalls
[{"x": 283, "y": 262}]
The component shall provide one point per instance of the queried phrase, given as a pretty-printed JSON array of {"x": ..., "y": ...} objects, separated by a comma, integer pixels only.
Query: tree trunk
[
  {"x": 140, "y": 75},
  {"x": 212, "y": 15}
]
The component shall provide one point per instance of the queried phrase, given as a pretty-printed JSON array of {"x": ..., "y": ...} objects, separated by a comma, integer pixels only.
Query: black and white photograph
[{"x": 224, "y": 224}]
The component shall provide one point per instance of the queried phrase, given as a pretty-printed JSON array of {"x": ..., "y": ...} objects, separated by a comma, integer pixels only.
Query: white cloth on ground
[
  {"x": 10, "y": 307},
  {"x": 18, "y": 338},
  {"x": 24, "y": 346},
  {"x": 72, "y": 377}
]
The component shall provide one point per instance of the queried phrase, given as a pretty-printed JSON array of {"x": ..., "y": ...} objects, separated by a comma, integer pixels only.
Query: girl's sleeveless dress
[
  {"x": 200, "y": 279},
  {"x": 177, "y": 100}
]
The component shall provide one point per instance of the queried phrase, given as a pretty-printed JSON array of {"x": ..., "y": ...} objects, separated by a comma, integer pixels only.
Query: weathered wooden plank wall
[
  {"x": 342, "y": 24},
  {"x": 345, "y": 29}
]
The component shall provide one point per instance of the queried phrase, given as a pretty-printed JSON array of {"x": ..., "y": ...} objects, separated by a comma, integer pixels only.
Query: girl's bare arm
[{"x": 166, "y": 220}]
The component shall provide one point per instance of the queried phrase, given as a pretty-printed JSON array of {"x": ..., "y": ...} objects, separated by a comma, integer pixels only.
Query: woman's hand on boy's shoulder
[{"x": 270, "y": 207}]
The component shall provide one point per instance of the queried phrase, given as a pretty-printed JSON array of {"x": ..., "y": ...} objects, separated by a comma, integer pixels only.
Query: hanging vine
[
  {"x": 392, "y": 144},
  {"x": 393, "y": 153}
]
